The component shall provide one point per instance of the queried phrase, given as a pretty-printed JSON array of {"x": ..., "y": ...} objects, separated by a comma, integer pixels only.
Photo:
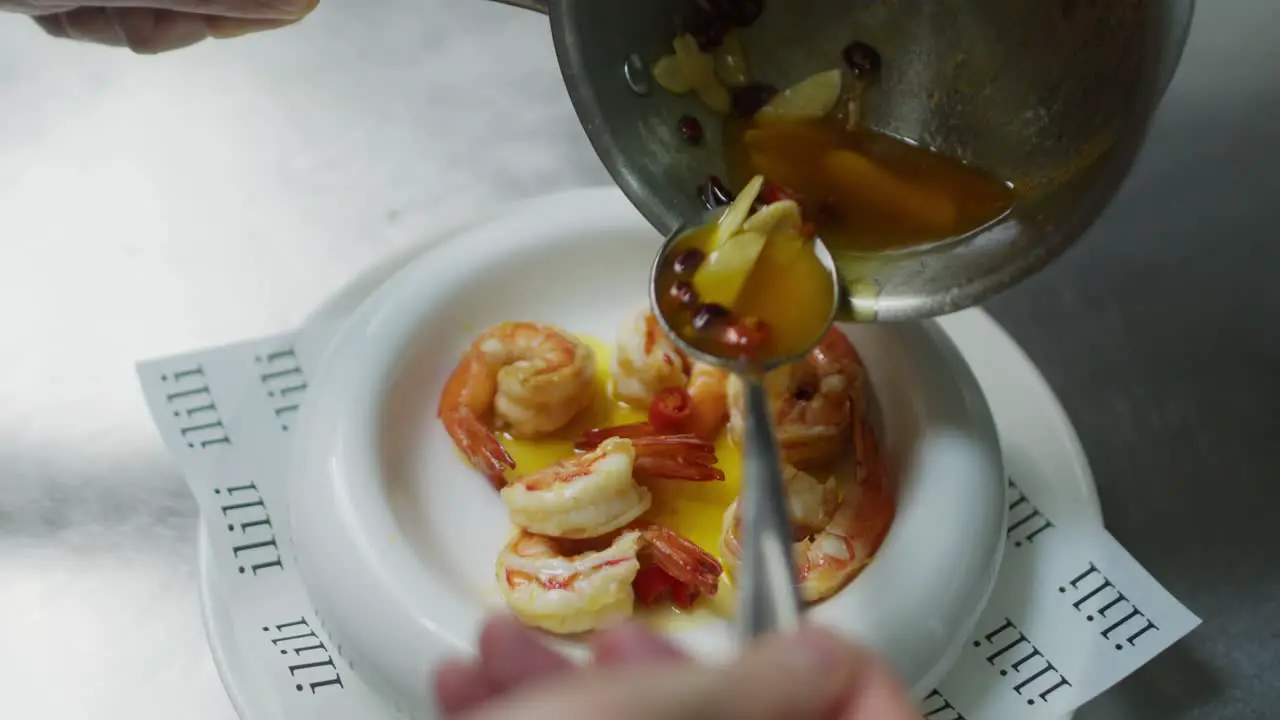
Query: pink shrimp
[
  {"x": 532, "y": 378},
  {"x": 593, "y": 494}
]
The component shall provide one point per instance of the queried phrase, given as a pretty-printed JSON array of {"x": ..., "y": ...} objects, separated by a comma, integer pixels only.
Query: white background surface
[{"x": 153, "y": 205}]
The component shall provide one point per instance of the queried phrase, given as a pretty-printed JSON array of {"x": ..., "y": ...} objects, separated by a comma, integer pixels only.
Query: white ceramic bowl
[{"x": 396, "y": 536}]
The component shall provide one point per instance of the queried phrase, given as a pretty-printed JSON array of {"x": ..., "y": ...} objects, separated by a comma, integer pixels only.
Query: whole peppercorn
[{"x": 690, "y": 129}]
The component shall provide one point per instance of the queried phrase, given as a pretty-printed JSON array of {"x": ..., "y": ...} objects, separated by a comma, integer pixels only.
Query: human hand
[
  {"x": 153, "y": 26},
  {"x": 813, "y": 675}
]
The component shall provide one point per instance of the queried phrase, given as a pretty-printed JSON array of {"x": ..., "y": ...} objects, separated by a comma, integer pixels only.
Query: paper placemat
[{"x": 1071, "y": 615}]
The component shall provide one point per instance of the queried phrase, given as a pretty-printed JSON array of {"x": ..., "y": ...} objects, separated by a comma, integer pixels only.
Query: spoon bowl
[
  {"x": 738, "y": 365},
  {"x": 768, "y": 596}
]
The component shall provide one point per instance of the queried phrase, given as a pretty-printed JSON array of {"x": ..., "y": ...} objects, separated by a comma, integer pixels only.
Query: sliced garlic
[
  {"x": 809, "y": 99},
  {"x": 720, "y": 279},
  {"x": 699, "y": 70},
  {"x": 731, "y": 221},
  {"x": 731, "y": 62},
  {"x": 781, "y": 217},
  {"x": 716, "y": 97},
  {"x": 698, "y": 66},
  {"x": 670, "y": 75}
]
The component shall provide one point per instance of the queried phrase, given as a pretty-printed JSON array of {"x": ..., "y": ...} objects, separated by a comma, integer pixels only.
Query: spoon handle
[{"x": 767, "y": 594}]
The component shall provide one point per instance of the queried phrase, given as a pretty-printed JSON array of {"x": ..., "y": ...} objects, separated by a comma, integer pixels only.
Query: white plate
[
  {"x": 396, "y": 536},
  {"x": 1022, "y": 403}
]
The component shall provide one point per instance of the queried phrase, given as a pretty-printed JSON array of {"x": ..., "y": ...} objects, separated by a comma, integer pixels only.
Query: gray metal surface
[{"x": 151, "y": 205}]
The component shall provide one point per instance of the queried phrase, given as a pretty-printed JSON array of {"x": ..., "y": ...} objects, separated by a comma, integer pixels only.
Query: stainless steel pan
[{"x": 1055, "y": 95}]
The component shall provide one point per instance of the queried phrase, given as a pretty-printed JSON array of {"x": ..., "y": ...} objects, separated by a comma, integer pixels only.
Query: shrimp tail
[
  {"x": 667, "y": 469},
  {"x": 466, "y": 384},
  {"x": 480, "y": 446},
  {"x": 589, "y": 439},
  {"x": 455, "y": 395},
  {"x": 682, "y": 559},
  {"x": 678, "y": 457}
]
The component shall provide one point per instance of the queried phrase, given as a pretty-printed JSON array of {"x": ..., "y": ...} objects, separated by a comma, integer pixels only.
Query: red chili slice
[
  {"x": 670, "y": 410},
  {"x": 650, "y": 585}
]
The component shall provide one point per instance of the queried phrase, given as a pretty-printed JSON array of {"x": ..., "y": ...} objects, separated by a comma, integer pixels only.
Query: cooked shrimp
[
  {"x": 830, "y": 555},
  {"x": 534, "y": 378},
  {"x": 827, "y": 560},
  {"x": 700, "y": 410},
  {"x": 648, "y": 368},
  {"x": 708, "y": 391},
  {"x": 646, "y": 360},
  {"x": 568, "y": 593},
  {"x": 549, "y": 587},
  {"x": 811, "y": 505},
  {"x": 595, "y": 493},
  {"x": 813, "y": 399}
]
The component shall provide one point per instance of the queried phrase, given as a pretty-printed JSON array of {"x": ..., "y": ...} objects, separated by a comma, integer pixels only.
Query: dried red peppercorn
[
  {"x": 690, "y": 129},
  {"x": 682, "y": 291},
  {"x": 708, "y": 25},
  {"x": 708, "y": 315},
  {"x": 687, "y": 261},
  {"x": 747, "y": 336}
]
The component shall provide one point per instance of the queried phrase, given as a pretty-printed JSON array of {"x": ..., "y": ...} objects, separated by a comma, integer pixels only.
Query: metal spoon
[{"x": 768, "y": 600}]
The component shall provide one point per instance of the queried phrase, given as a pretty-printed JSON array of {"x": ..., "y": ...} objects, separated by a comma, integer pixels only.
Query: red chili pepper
[
  {"x": 650, "y": 584},
  {"x": 770, "y": 194},
  {"x": 670, "y": 410},
  {"x": 683, "y": 595}
]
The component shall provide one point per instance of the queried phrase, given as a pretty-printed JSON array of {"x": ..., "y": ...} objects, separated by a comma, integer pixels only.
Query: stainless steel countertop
[{"x": 151, "y": 205}]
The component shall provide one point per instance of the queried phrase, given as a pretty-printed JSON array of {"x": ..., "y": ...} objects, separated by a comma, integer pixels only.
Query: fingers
[
  {"x": 148, "y": 31},
  {"x": 878, "y": 694},
  {"x": 461, "y": 686},
  {"x": 154, "y": 31},
  {"x": 90, "y": 24},
  {"x": 806, "y": 675},
  {"x": 632, "y": 644},
  {"x": 512, "y": 655},
  {"x": 814, "y": 674},
  {"x": 260, "y": 9},
  {"x": 809, "y": 676}
]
